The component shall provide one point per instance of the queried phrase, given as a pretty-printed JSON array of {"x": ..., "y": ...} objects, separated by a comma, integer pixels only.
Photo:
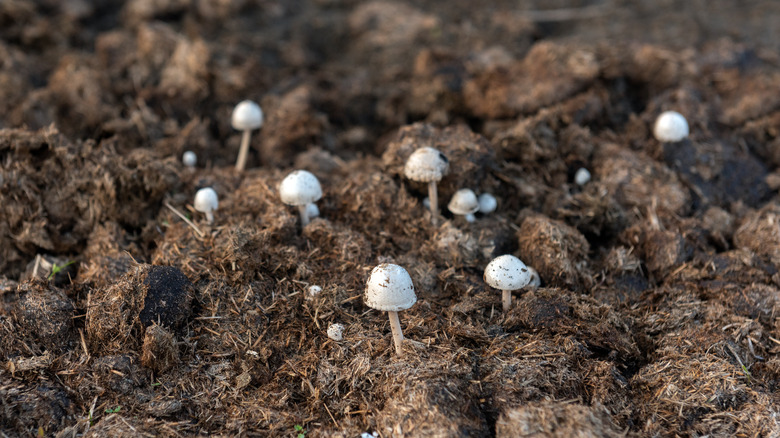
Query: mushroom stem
[
  {"x": 209, "y": 217},
  {"x": 243, "y": 150},
  {"x": 398, "y": 335},
  {"x": 304, "y": 214},
  {"x": 433, "y": 197},
  {"x": 506, "y": 300}
]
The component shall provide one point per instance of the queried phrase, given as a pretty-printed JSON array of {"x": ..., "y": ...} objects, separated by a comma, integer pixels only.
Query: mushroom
[
  {"x": 300, "y": 188},
  {"x": 582, "y": 176},
  {"x": 464, "y": 203},
  {"x": 487, "y": 203},
  {"x": 670, "y": 127},
  {"x": 247, "y": 116},
  {"x": 206, "y": 202},
  {"x": 390, "y": 289},
  {"x": 336, "y": 331},
  {"x": 536, "y": 281},
  {"x": 428, "y": 165},
  {"x": 507, "y": 273},
  {"x": 189, "y": 159}
]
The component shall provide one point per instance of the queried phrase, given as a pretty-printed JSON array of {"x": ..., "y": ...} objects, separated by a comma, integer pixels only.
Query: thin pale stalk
[
  {"x": 398, "y": 335},
  {"x": 243, "y": 151},
  {"x": 304, "y": 215},
  {"x": 506, "y": 300},
  {"x": 433, "y": 197},
  {"x": 209, "y": 217}
]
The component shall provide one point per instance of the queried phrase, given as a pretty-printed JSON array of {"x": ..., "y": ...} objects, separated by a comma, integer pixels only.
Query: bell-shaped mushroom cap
[
  {"x": 389, "y": 288},
  {"x": 206, "y": 200},
  {"x": 426, "y": 164},
  {"x": 487, "y": 203},
  {"x": 464, "y": 201},
  {"x": 247, "y": 115},
  {"x": 670, "y": 127},
  {"x": 299, "y": 188},
  {"x": 507, "y": 272}
]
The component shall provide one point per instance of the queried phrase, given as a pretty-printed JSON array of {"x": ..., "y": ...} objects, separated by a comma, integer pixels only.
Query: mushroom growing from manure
[
  {"x": 390, "y": 289},
  {"x": 464, "y": 203},
  {"x": 487, "y": 203},
  {"x": 206, "y": 202},
  {"x": 507, "y": 273},
  {"x": 670, "y": 127},
  {"x": 582, "y": 176},
  {"x": 300, "y": 188},
  {"x": 247, "y": 116},
  {"x": 189, "y": 159},
  {"x": 428, "y": 165}
]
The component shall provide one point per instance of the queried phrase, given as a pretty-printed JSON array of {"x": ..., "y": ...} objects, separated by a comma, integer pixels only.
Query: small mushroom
[
  {"x": 247, "y": 116},
  {"x": 428, "y": 165},
  {"x": 336, "y": 331},
  {"x": 464, "y": 203},
  {"x": 300, "y": 188},
  {"x": 189, "y": 159},
  {"x": 536, "y": 281},
  {"x": 206, "y": 202},
  {"x": 582, "y": 176},
  {"x": 390, "y": 289},
  {"x": 507, "y": 273},
  {"x": 670, "y": 127},
  {"x": 487, "y": 203}
]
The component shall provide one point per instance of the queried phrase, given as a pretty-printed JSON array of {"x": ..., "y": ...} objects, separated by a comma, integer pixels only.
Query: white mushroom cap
[
  {"x": 507, "y": 272},
  {"x": 670, "y": 127},
  {"x": 336, "y": 331},
  {"x": 487, "y": 203},
  {"x": 247, "y": 115},
  {"x": 189, "y": 159},
  {"x": 389, "y": 289},
  {"x": 426, "y": 164},
  {"x": 582, "y": 176},
  {"x": 300, "y": 188},
  {"x": 463, "y": 202},
  {"x": 206, "y": 200},
  {"x": 312, "y": 210},
  {"x": 536, "y": 281}
]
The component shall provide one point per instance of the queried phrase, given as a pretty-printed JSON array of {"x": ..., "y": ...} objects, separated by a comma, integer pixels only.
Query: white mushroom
[
  {"x": 247, "y": 116},
  {"x": 312, "y": 210},
  {"x": 336, "y": 331},
  {"x": 487, "y": 203},
  {"x": 536, "y": 281},
  {"x": 206, "y": 202},
  {"x": 189, "y": 159},
  {"x": 300, "y": 188},
  {"x": 390, "y": 289},
  {"x": 464, "y": 203},
  {"x": 507, "y": 273},
  {"x": 428, "y": 165},
  {"x": 312, "y": 291},
  {"x": 582, "y": 176},
  {"x": 670, "y": 127}
]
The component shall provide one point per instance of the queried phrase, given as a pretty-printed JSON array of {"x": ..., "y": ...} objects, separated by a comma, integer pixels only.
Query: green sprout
[
  {"x": 55, "y": 269},
  {"x": 300, "y": 431},
  {"x": 114, "y": 410}
]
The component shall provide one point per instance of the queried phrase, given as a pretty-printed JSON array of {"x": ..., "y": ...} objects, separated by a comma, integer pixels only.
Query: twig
[{"x": 184, "y": 218}]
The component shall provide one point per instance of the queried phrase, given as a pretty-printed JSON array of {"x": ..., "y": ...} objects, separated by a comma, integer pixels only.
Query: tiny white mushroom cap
[
  {"x": 670, "y": 127},
  {"x": 247, "y": 115},
  {"x": 336, "y": 331},
  {"x": 426, "y": 164},
  {"x": 189, "y": 159},
  {"x": 507, "y": 272},
  {"x": 389, "y": 289},
  {"x": 582, "y": 176},
  {"x": 464, "y": 202},
  {"x": 536, "y": 281},
  {"x": 312, "y": 210},
  {"x": 487, "y": 203},
  {"x": 206, "y": 200},
  {"x": 300, "y": 188}
]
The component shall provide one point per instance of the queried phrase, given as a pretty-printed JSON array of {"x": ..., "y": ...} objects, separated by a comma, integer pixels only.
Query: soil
[{"x": 659, "y": 307}]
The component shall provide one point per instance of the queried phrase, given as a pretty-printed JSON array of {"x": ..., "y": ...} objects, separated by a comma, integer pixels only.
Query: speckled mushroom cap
[
  {"x": 246, "y": 115},
  {"x": 426, "y": 164},
  {"x": 206, "y": 200},
  {"x": 507, "y": 272},
  {"x": 300, "y": 188},
  {"x": 670, "y": 127},
  {"x": 389, "y": 288},
  {"x": 464, "y": 201}
]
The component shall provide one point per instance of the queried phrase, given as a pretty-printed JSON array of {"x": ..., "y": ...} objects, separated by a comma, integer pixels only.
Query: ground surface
[{"x": 659, "y": 311}]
